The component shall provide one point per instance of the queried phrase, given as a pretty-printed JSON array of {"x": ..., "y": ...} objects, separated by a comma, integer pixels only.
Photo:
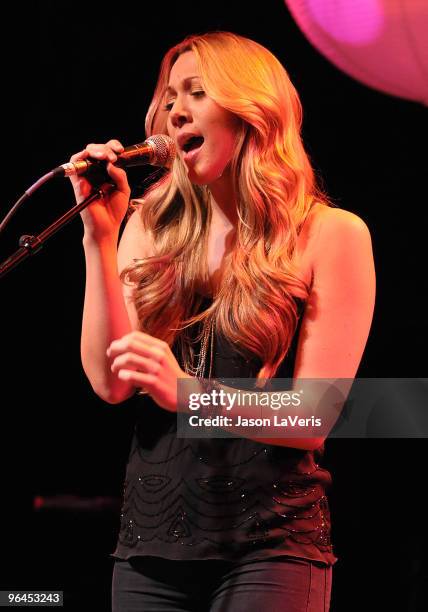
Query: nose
[{"x": 179, "y": 115}]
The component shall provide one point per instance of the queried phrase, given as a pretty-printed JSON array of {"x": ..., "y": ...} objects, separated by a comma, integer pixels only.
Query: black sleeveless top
[{"x": 222, "y": 498}]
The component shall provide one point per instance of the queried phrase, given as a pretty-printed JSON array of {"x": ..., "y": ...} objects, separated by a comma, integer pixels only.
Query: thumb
[{"x": 119, "y": 178}]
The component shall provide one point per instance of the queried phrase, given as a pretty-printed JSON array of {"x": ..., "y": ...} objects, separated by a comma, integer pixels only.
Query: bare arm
[
  {"x": 106, "y": 313},
  {"x": 340, "y": 307}
]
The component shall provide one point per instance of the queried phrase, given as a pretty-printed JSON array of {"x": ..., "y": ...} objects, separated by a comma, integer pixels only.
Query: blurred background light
[{"x": 381, "y": 43}]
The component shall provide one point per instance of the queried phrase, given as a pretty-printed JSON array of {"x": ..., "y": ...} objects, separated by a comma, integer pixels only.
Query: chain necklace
[{"x": 207, "y": 347}]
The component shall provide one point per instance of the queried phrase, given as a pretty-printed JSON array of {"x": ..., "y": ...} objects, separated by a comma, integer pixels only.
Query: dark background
[{"x": 73, "y": 75}]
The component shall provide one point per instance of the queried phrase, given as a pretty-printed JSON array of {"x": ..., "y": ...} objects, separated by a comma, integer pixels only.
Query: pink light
[
  {"x": 357, "y": 26},
  {"x": 382, "y": 43}
]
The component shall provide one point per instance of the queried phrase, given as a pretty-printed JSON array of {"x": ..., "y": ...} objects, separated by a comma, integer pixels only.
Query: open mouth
[{"x": 193, "y": 143}]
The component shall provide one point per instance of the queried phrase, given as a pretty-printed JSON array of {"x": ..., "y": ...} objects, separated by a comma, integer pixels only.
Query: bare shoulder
[
  {"x": 331, "y": 219},
  {"x": 136, "y": 242},
  {"x": 329, "y": 233},
  {"x": 330, "y": 227}
]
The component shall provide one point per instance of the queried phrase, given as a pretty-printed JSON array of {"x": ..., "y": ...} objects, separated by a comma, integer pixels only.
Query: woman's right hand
[{"x": 102, "y": 218}]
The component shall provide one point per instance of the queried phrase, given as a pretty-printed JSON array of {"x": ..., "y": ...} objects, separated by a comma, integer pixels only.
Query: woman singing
[{"x": 233, "y": 265}]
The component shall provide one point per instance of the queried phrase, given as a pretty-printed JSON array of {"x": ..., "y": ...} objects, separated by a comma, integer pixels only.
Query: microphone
[{"x": 158, "y": 150}]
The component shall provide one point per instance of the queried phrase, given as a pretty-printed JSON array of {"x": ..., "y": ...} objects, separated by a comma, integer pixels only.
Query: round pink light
[{"x": 382, "y": 43}]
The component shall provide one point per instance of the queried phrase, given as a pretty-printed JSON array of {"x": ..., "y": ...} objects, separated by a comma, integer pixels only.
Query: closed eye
[{"x": 197, "y": 94}]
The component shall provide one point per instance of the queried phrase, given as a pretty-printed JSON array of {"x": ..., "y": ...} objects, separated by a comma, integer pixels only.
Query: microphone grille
[{"x": 164, "y": 150}]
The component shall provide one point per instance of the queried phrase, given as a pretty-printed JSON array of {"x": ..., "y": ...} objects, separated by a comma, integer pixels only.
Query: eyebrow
[{"x": 170, "y": 89}]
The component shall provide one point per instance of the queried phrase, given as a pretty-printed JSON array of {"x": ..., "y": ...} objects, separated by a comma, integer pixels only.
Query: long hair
[{"x": 275, "y": 188}]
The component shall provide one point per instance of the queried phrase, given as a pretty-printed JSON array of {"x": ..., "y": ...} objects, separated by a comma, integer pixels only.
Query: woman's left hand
[{"x": 148, "y": 363}]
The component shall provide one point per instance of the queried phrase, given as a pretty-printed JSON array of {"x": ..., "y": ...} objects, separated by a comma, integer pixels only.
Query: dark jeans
[{"x": 281, "y": 584}]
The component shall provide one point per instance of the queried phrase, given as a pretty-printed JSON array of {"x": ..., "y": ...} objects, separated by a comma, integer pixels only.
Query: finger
[
  {"x": 139, "y": 342},
  {"x": 80, "y": 155},
  {"x": 101, "y": 151},
  {"x": 115, "y": 145},
  {"x": 119, "y": 177},
  {"x": 138, "y": 379},
  {"x": 132, "y": 361}
]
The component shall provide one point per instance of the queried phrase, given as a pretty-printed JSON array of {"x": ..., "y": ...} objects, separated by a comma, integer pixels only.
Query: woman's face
[{"x": 192, "y": 113}]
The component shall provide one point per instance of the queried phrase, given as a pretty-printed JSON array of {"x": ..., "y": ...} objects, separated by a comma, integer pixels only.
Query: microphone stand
[{"x": 29, "y": 245}]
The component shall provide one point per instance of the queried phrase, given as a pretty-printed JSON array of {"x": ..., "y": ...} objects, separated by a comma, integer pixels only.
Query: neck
[{"x": 223, "y": 204}]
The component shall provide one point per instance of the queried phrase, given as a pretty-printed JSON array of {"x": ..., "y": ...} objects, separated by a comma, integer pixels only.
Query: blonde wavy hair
[{"x": 275, "y": 188}]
